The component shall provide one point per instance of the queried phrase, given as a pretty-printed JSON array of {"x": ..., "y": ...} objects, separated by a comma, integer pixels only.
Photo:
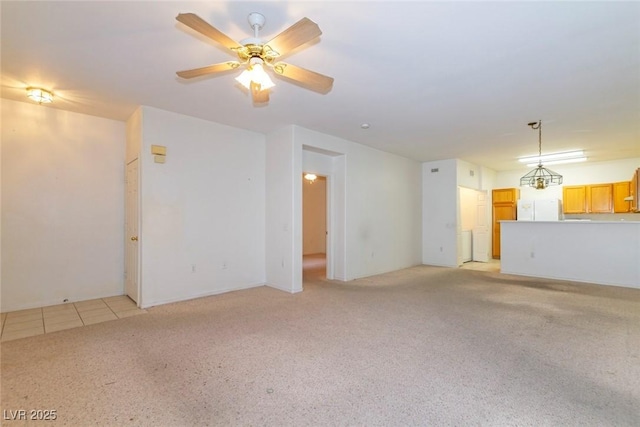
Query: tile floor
[
  {"x": 37, "y": 321},
  {"x": 492, "y": 265}
]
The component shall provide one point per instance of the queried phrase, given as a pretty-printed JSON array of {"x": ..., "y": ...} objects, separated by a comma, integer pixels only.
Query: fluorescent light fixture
[
  {"x": 40, "y": 96},
  {"x": 559, "y": 162},
  {"x": 547, "y": 158}
]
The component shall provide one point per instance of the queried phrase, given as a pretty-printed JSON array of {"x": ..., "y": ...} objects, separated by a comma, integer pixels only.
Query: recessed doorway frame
[
  {"x": 327, "y": 224},
  {"x": 333, "y": 167}
]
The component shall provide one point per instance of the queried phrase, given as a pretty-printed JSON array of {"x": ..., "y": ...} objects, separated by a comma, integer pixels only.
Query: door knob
[{"x": 134, "y": 238}]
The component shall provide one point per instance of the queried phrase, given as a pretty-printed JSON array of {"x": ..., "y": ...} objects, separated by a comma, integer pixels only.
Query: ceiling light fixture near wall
[
  {"x": 39, "y": 95},
  {"x": 541, "y": 177},
  {"x": 559, "y": 162},
  {"x": 555, "y": 158},
  {"x": 311, "y": 177}
]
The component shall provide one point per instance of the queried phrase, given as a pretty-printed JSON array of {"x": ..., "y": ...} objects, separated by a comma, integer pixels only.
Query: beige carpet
[{"x": 422, "y": 346}]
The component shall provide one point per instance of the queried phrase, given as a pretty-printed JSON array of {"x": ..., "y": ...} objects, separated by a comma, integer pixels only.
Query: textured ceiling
[{"x": 434, "y": 80}]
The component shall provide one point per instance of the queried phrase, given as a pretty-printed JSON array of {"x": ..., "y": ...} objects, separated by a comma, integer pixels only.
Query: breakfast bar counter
[{"x": 602, "y": 252}]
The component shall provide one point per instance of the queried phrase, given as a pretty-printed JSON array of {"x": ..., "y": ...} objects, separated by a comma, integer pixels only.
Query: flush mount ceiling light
[
  {"x": 311, "y": 177},
  {"x": 541, "y": 177},
  {"x": 39, "y": 95}
]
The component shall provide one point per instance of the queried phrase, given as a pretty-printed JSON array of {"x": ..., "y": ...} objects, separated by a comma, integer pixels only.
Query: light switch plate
[{"x": 159, "y": 159}]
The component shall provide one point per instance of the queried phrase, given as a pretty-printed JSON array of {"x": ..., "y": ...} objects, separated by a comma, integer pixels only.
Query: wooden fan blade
[
  {"x": 309, "y": 79},
  {"x": 298, "y": 34},
  {"x": 196, "y": 23},
  {"x": 211, "y": 69}
]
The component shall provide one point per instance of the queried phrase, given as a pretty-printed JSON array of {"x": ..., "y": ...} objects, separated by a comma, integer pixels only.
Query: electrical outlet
[
  {"x": 193, "y": 268},
  {"x": 533, "y": 254}
]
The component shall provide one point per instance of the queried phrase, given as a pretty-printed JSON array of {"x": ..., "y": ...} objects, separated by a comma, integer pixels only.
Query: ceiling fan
[{"x": 255, "y": 54}]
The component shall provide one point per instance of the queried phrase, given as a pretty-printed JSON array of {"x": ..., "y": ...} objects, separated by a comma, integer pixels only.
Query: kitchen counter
[{"x": 602, "y": 252}]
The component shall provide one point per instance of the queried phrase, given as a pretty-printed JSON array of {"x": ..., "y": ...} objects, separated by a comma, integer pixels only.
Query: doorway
[
  {"x": 131, "y": 270},
  {"x": 314, "y": 226},
  {"x": 473, "y": 232}
]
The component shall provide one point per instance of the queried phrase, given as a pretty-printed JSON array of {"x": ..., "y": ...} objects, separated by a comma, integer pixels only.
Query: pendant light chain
[
  {"x": 539, "y": 143},
  {"x": 540, "y": 178}
]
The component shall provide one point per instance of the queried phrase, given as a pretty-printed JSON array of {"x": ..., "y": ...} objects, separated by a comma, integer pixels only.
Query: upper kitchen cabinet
[
  {"x": 505, "y": 195},
  {"x": 595, "y": 198},
  {"x": 600, "y": 198},
  {"x": 574, "y": 199},
  {"x": 621, "y": 191}
]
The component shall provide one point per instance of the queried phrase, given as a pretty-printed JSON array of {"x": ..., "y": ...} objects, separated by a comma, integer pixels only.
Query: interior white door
[
  {"x": 131, "y": 244},
  {"x": 481, "y": 230},
  {"x": 328, "y": 219}
]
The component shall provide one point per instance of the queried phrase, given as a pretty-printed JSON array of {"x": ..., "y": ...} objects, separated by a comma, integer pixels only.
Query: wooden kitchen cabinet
[
  {"x": 574, "y": 199},
  {"x": 621, "y": 190},
  {"x": 505, "y": 201},
  {"x": 633, "y": 190},
  {"x": 505, "y": 195},
  {"x": 595, "y": 198},
  {"x": 600, "y": 198}
]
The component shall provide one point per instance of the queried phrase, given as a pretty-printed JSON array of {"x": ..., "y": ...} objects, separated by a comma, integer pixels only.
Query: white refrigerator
[{"x": 539, "y": 210}]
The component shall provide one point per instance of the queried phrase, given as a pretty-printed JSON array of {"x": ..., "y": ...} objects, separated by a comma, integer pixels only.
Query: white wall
[
  {"x": 134, "y": 136},
  {"x": 440, "y": 213},
  {"x": 382, "y": 205},
  {"x": 314, "y": 216},
  {"x": 468, "y": 175},
  {"x": 202, "y": 227},
  {"x": 572, "y": 174},
  {"x": 281, "y": 181},
  {"x": 62, "y": 206}
]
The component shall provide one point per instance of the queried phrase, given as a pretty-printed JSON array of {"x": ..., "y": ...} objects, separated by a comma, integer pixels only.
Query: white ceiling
[{"x": 435, "y": 80}]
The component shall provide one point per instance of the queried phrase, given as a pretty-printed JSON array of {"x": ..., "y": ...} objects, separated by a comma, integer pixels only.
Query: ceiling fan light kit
[
  {"x": 256, "y": 55},
  {"x": 255, "y": 74},
  {"x": 541, "y": 177}
]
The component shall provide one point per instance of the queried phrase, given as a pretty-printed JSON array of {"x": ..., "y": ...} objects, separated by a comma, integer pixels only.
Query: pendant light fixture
[{"x": 541, "y": 177}]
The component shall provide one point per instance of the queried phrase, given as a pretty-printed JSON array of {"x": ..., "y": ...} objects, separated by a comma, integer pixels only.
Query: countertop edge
[{"x": 571, "y": 222}]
